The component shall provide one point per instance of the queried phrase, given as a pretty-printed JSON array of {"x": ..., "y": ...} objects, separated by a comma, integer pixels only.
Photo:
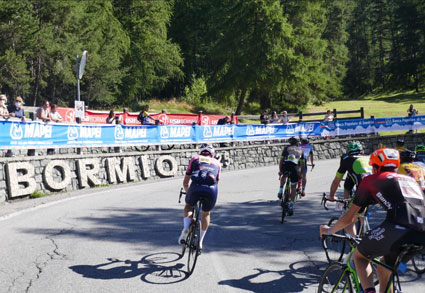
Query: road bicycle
[
  {"x": 192, "y": 241},
  {"x": 418, "y": 262},
  {"x": 342, "y": 277},
  {"x": 284, "y": 201},
  {"x": 334, "y": 247}
]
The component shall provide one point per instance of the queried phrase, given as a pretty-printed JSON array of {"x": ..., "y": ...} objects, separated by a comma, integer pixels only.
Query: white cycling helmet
[{"x": 206, "y": 148}]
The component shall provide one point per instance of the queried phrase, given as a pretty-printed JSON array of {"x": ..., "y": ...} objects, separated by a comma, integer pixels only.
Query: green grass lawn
[{"x": 383, "y": 105}]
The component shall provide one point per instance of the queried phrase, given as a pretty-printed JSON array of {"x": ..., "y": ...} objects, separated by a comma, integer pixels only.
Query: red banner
[{"x": 97, "y": 117}]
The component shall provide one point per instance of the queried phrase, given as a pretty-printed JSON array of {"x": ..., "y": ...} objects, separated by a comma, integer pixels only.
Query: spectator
[
  {"x": 163, "y": 111},
  {"x": 16, "y": 109},
  {"x": 274, "y": 118},
  {"x": 43, "y": 113},
  {"x": 4, "y": 113},
  {"x": 111, "y": 117},
  {"x": 412, "y": 111},
  {"x": 284, "y": 118},
  {"x": 264, "y": 118},
  {"x": 144, "y": 117},
  {"x": 223, "y": 121},
  {"x": 54, "y": 114},
  {"x": 329, "y": 117}
]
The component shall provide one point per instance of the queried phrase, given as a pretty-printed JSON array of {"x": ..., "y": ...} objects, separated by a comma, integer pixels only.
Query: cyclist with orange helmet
[
  {"x": 204, "y": 172},
  {"x": 403, "y": 200}
]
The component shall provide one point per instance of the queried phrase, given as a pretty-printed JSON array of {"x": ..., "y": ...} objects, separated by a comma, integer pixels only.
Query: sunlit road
[{"x": 124, "y": 239}]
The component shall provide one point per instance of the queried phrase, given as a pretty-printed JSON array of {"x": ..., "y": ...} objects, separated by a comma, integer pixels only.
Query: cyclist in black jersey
[
  {"x": 357, "y": 167},
  {"x": 292, "y": 162},
  {"x": 404, "y": 202}
]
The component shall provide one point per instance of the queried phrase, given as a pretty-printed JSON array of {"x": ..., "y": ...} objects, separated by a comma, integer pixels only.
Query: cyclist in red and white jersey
[
  {"x": 403, "y": 200},
  {"x": 204, "y": 172}
]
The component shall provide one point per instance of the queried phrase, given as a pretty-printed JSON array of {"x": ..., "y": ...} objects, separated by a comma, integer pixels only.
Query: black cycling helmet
[
  {"x": 293, "y": 140},
  {"x": 407, "y": 156},
  {"x": 354, "y": 148},
  {"x": 400, "y": 141},
  {"x": 304, "y": 140},
  {"x": 206, "y": 149}
]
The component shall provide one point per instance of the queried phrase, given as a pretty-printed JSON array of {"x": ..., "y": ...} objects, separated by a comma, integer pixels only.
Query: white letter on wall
[
  {"x": 159, "y": 166},
  {"x": 85, "y": 175},
  {"x": 26, "y": 179},
  {"x": 65, "y": 173}
]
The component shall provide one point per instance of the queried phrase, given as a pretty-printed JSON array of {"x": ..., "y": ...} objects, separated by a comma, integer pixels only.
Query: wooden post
[
  {"x": 362, "y": 112},
  {"x": 300, "y": 116}
]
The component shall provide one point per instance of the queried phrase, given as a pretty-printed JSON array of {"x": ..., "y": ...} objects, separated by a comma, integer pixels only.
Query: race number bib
[{"x": 411, "y": 189}]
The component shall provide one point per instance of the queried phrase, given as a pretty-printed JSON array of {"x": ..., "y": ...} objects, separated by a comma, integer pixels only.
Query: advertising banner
[{"x": 17, "y": 134}]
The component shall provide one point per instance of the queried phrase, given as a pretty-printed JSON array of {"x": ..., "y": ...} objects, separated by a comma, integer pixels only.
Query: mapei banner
[{"x": 17, "y": 134}]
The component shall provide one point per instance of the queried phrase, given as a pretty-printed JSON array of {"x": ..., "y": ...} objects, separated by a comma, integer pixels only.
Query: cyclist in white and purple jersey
[
  {"x": 308, "y": 153},
  {"x": 204, "y": 171}
]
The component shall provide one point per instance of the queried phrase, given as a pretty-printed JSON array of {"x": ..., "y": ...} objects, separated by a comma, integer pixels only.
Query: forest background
[{"x": 212, "y": 55}]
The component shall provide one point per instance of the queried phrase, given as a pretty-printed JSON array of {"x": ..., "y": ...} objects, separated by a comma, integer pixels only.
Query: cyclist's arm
[
  {"x": 334, "y": 185},
  {"x": 348, "y": 218},
  {"x": 282, "y": 160},
  {"x": 186, "y": 182},
  {"x": 311, "y": 159}
]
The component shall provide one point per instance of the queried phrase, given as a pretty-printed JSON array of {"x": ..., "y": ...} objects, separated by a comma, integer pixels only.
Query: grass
[{"x": 38, "y": 194}]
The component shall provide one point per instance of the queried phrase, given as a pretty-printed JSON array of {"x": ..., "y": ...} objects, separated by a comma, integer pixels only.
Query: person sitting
[
  {"x": 16, "y": 109},
  {"x": 284, "y": 118},
  {"x": 274, "y": 118},
  {"x": 43, "y": 113},
  {"x": 412, "y": 111},
  {"x": 111, "y": 117},
  {"x": 54, "y": 114},
  {"x": 223, "y": 121},
  {"x": 264, "y": 118},
  {"x": 4, "y": 113},
  {"x": 329, "y": 116}
]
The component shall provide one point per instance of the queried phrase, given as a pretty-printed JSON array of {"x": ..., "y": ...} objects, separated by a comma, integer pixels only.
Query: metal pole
[{"x": 78, "y": 79}]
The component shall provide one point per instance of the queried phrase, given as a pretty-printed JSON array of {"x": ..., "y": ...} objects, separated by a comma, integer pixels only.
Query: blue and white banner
[{"x": 17, "y": 134}]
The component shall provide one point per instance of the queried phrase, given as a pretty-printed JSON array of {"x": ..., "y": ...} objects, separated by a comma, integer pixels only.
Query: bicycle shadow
[
  {"x": 288, "y": 280},
  {"x": 156, "y": 268}
]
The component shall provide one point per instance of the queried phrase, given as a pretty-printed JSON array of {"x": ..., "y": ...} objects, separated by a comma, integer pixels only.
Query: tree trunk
[{"x": 241, "y": 101}]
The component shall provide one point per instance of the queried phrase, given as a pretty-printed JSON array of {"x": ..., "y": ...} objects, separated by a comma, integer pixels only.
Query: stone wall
[{"x": 22, "y": 175}]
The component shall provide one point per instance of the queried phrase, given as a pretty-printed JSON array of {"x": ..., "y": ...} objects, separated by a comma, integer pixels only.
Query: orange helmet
[{"x": 385, "y": 158}]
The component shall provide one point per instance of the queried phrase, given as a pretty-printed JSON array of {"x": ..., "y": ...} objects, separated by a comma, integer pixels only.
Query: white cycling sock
[
  {"x": 186, "y": 222},
  {"x": 203, "y": 235}
]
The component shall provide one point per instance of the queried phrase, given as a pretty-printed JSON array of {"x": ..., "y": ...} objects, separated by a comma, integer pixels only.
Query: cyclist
[
  {"x": 407, "y": 167},
  {"x": 420, "y": 153},
  {"x": 308, "y": 153},
  {"x": 357, "y": 167},
  {"x": 400, "y": 144},
  {"x": 204, "y": 171},
  {"x": 291, "y": 160},
  {"x": 400, "y": 196}
]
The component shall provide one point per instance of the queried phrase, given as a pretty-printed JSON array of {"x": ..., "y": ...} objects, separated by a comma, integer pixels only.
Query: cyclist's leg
[
  {"x": 304, "y": 181},
  {"x": 348, "y": 188},
  {"x": 191, "y": 200},
  {"x": 210, "y": 195},
  {"x": 294, "y": 181},
  {"x": 282, "y": 180}
]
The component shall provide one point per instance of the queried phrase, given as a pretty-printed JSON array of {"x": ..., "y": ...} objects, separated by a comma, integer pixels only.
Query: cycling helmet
[
  {"x": 384, "y": 158},
  {"x": 354, "y": 148},
  {"x": 206, "y": 149},
  {"x": 304, "y": 140},
  {"x": 400, "y": 141},
  {"x": 293, "y": 140},
  {"x": 420, "y": 148},
  {"x": 407, "y": 156}
]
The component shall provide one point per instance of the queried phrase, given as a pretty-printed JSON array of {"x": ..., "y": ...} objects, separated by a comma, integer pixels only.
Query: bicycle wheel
[
  {"x": 193, "y": 245},
  {"x": 418, "y": 262},
  {"x": 336, "y": 278},
  {"x": 284, "y": 204},
  {"x": 334, "y": 247}
]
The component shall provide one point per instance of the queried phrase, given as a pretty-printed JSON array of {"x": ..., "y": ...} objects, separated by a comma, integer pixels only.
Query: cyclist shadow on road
[
  {"x": 157, "y": 268},
  {"x": 299, "y": 277}
]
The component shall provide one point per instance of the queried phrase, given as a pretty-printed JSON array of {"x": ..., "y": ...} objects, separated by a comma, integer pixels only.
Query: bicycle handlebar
[
  {"x": 353, "y": 241},
  {"x": 325, "y": 200},
  {"x": 181, "y": 193}
]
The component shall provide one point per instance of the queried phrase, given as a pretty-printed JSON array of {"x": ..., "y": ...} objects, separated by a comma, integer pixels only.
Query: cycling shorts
[
  {"x": 208, "y": 192},
  {"x": 387, "y": 239},
  {"x": 292, "y": 169},
  {"x": 349, "y": 183}
]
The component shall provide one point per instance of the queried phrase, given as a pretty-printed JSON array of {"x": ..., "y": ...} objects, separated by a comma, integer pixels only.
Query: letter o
[
  {"x": 65, "y": 172},
  {"x": 159, "y": 166}
]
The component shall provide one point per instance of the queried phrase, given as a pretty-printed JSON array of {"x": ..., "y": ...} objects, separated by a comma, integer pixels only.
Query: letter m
[{"x": 123, "y": 172}]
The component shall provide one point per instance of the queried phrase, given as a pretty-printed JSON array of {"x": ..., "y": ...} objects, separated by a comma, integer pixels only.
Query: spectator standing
[
  {"x": 54, "y": 114},
  {"x": 274, "y": 118},
  {"x": 43, "y": 113},
  {"x": 144, "y": 117},
  {"x": 264, "y": 117},
  {"x": 412, "y": 111},
  {"x": 284, "y": 118},
  {"x": 111, "y": 117},
  {"x": 4, "y": 113},
  {"x": 329, "y": 117},
  {"x": 17, "y": 110}
]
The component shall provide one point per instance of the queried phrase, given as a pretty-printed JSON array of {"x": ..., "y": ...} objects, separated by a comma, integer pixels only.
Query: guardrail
[{"x": 300, "y": 116}]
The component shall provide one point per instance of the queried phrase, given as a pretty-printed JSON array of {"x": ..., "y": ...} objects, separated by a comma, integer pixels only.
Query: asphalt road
[{"x": 124, "y": 239}]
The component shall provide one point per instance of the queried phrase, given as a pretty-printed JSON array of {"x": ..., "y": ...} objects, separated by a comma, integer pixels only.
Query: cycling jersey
[
  {"x": 307, "y": 150},
  {"x": 399, "y": 195},
  {"x": 420, "y": 157},
  {"x": 357, "y": 168},
  {"x": 204, "y": 170},
  {"x": 414, "y": 171},
  {"x": 293, "y": 154}
]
